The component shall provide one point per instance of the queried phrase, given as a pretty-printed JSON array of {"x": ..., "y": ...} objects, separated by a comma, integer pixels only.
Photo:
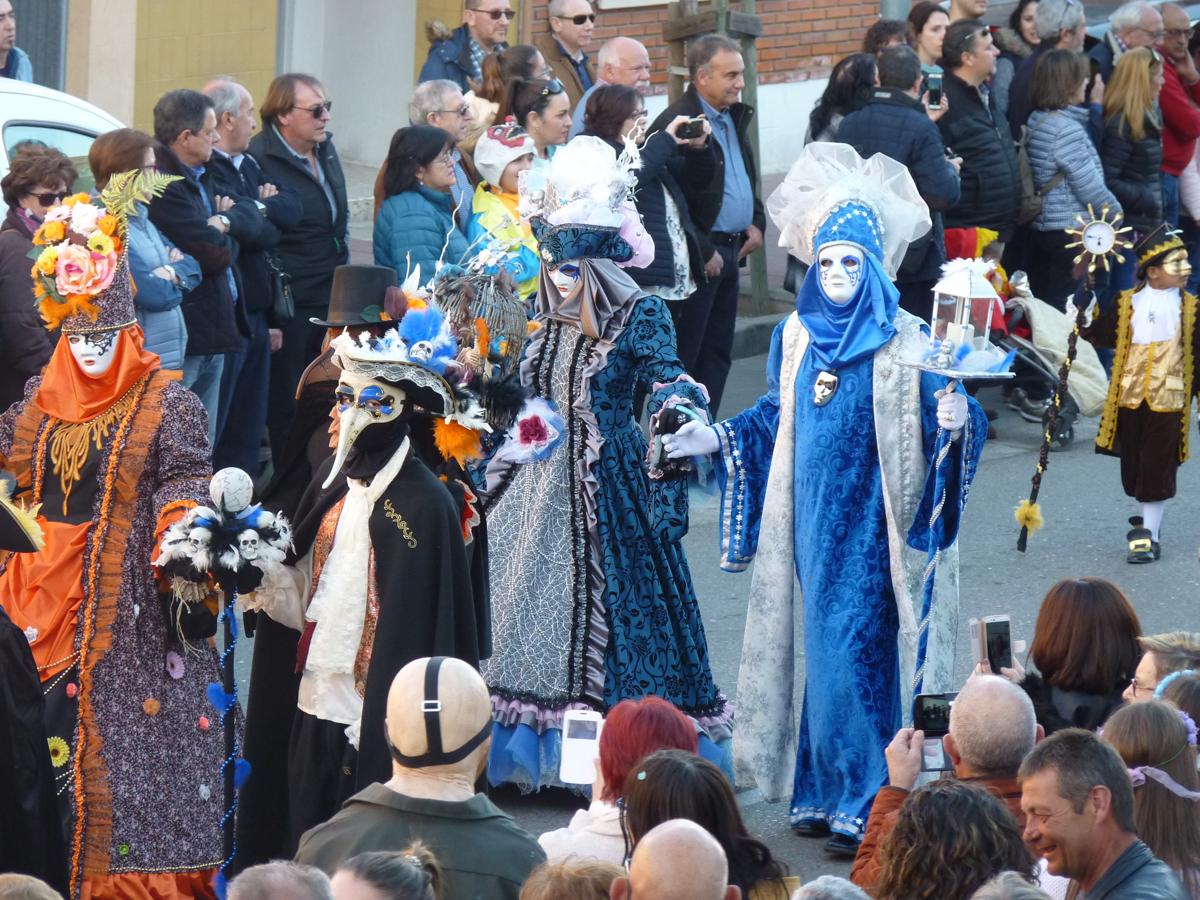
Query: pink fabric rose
[
  {"x": 83, "y": 271},
  {"x": 532, "y": 430}
]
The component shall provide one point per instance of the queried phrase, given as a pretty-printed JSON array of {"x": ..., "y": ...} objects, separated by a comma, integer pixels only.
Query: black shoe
[
  {"x": 1028, "y": 409},
  {"x": 1142, "y": 547},
  {"x": 811, "y": 828},
  {"x": 841, "y": 846}
]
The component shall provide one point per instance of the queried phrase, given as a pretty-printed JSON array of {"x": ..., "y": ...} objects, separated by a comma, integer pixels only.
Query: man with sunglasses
[
  {"x": 571, "y": 26},
  {"x": 458, "y": 55},
  {"x": 296, "y": 154}
]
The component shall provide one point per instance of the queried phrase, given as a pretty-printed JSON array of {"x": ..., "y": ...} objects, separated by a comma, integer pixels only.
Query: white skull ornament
[{"x": 248, "y": 544}]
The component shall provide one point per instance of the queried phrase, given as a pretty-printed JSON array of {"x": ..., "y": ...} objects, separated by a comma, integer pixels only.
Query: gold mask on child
[{"x": 1176, "y": 263}]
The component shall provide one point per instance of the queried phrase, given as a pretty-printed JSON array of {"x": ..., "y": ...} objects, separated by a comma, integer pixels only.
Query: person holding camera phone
[{"x": 990, "y": 728}]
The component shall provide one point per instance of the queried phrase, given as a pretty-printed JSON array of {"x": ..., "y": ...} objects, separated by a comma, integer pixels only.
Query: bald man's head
[
  {"x": 622, "y": 60},
  {"x": 463, "y": 721},
  {"x": 677, "y": 860},
  {"x": 992, "y": 728}
]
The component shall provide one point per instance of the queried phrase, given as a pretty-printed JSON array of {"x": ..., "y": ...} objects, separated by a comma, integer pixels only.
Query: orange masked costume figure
[{"x": 114, "y": 450}]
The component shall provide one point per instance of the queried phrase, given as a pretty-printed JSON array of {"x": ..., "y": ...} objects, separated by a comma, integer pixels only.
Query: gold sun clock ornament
[{"x": 1099, "y": 238}]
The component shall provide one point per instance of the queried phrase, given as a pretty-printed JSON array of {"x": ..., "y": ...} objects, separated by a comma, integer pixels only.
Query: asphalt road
[{"x": 1085, "y": 512}]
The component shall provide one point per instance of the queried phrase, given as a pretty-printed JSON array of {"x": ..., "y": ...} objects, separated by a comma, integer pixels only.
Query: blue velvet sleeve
[
  {"x": 747, "y": 442},
  {"x": 661, "y": 375},
  {"x": 959, "y": 467}
]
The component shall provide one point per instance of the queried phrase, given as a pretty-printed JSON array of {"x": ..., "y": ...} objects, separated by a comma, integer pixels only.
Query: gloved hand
[
  {"x": 692, "y": 439},
  {"x": 951, "y": 411},
  {"x": 1071, "y": 310}
]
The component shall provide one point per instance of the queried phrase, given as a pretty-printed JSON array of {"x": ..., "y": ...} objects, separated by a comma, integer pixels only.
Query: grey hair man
[
  {"x": 1078, "y": 804},
  {"x": 830, "y": 887},
  {"x": 1060, "y": 25},
  {"x": 726, "y": 209},
  {"x": 281, "y": 881},
  {"x": 677, "y": 860},
  {"x": 621, "y": 60},
  {"x": 992, "y": 728},
  {"x": 1133, "y": 24}
]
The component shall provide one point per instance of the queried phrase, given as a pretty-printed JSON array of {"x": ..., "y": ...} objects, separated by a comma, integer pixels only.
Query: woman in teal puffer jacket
[{"x": 415, "y": 225}]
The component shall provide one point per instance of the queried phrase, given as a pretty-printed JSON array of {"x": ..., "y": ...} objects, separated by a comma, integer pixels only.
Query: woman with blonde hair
[
  {"x": 1132, "y": 150},
  {"x": 1158, "y": 744},
  {"x": 571, "y": 879}
]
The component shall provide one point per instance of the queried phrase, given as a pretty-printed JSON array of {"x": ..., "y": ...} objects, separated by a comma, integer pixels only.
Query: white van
[{"x": 30, "y": 112}]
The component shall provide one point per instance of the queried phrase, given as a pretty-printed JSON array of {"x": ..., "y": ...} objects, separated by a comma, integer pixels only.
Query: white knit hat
[{"x": 498, "y": 146}]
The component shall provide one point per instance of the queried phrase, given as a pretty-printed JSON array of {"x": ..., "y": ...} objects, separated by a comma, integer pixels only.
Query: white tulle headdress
[
  {"x": 833, "y": 195},
  {"x": 580, "y": 206}
]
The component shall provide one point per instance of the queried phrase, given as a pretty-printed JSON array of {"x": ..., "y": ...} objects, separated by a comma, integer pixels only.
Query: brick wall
[{"x": 801, "y": 39}]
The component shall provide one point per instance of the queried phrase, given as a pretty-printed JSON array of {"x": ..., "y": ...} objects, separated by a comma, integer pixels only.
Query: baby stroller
[{"x": 1038, "y": 333}]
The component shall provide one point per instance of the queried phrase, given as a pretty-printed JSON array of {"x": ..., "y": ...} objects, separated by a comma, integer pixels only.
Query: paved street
[{"x": 1085, "y": 515}]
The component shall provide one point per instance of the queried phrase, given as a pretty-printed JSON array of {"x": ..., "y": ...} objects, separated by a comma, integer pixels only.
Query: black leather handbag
[{"x": 283, "y": 305}]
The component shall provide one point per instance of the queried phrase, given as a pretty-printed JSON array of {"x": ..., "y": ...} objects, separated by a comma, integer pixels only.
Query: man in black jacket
[
  {"x": 990, "y": 193},
  {"x": 297, "y": 155},
  {"x": 726, "y": 209},
  {"x": 896, "y": 124},
  {"x": 200, "y": 223},
  {"x": 247, "y": 372}
]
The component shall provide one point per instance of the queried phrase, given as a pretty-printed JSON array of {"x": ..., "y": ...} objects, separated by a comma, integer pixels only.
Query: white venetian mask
[
  {"x": 566, "y": 278},
  {"x": 94, "y": 353},
  {"x": 841, "y": 268}
]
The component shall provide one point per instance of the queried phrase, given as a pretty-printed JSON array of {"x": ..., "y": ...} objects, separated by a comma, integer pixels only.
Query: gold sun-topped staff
[{"x": 1098, "y": 239}]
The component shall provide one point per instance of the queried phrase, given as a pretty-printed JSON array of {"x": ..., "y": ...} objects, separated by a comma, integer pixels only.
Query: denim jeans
[
  {"x": 202, "y": 376},
  {"x": 1170, "y": 195}
]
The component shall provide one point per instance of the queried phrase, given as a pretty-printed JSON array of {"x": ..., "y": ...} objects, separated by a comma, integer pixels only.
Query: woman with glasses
[
  {"x": 162, "y": 272},
  {"x": 1016, "y": 42},
  {"x": 38, "y": 178},
  {"x": 1066, "y": 170},
  {"x": 615, "y": 113},
  {"x": 1162, "y": 656},
  {"x": 541, "y": 107},
  {"x": 1132, "y": 151},
  {"x": 415, "y": 225},
  {"x": 499, "y": 70}
]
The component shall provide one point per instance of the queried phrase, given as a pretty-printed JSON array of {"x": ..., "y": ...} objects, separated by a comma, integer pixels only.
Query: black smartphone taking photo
[{"x": 933, "y": 88}]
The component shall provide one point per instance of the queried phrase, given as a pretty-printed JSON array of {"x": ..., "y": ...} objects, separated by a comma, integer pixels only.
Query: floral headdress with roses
[{"x": 80, "y": 273}]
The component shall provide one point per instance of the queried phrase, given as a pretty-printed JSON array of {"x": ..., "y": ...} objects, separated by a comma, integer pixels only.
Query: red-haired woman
[{"x": 633, "y": 730}]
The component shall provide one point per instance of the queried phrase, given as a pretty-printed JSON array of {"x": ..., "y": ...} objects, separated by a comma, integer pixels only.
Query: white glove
[
  {"x": 951, "y": 411},
  {"x": 1071, "y": 311},
  {"x": 693, "y": 439}
]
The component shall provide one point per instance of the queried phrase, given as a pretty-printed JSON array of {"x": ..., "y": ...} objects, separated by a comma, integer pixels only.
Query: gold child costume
[{"x": 1146, "y": 414}]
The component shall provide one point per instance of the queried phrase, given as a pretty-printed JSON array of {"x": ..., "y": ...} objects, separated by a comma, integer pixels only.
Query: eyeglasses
[
  {"x": 1135, "y": 688},
  {"x": 496, "y": 14},
  {"x": 49, "y": 199},
  {"x": 445, "y": 158},
  {"x": 316, "y": 111},
  {"x": 553, "y": 86},
  {"x": 1156, "y": 35},
  {"x": 462, "y": 112},
  {"x": 1062, "y": 20},
  {"x": 579, "y": 19},
  {"x": 1179, "y": 32}
]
